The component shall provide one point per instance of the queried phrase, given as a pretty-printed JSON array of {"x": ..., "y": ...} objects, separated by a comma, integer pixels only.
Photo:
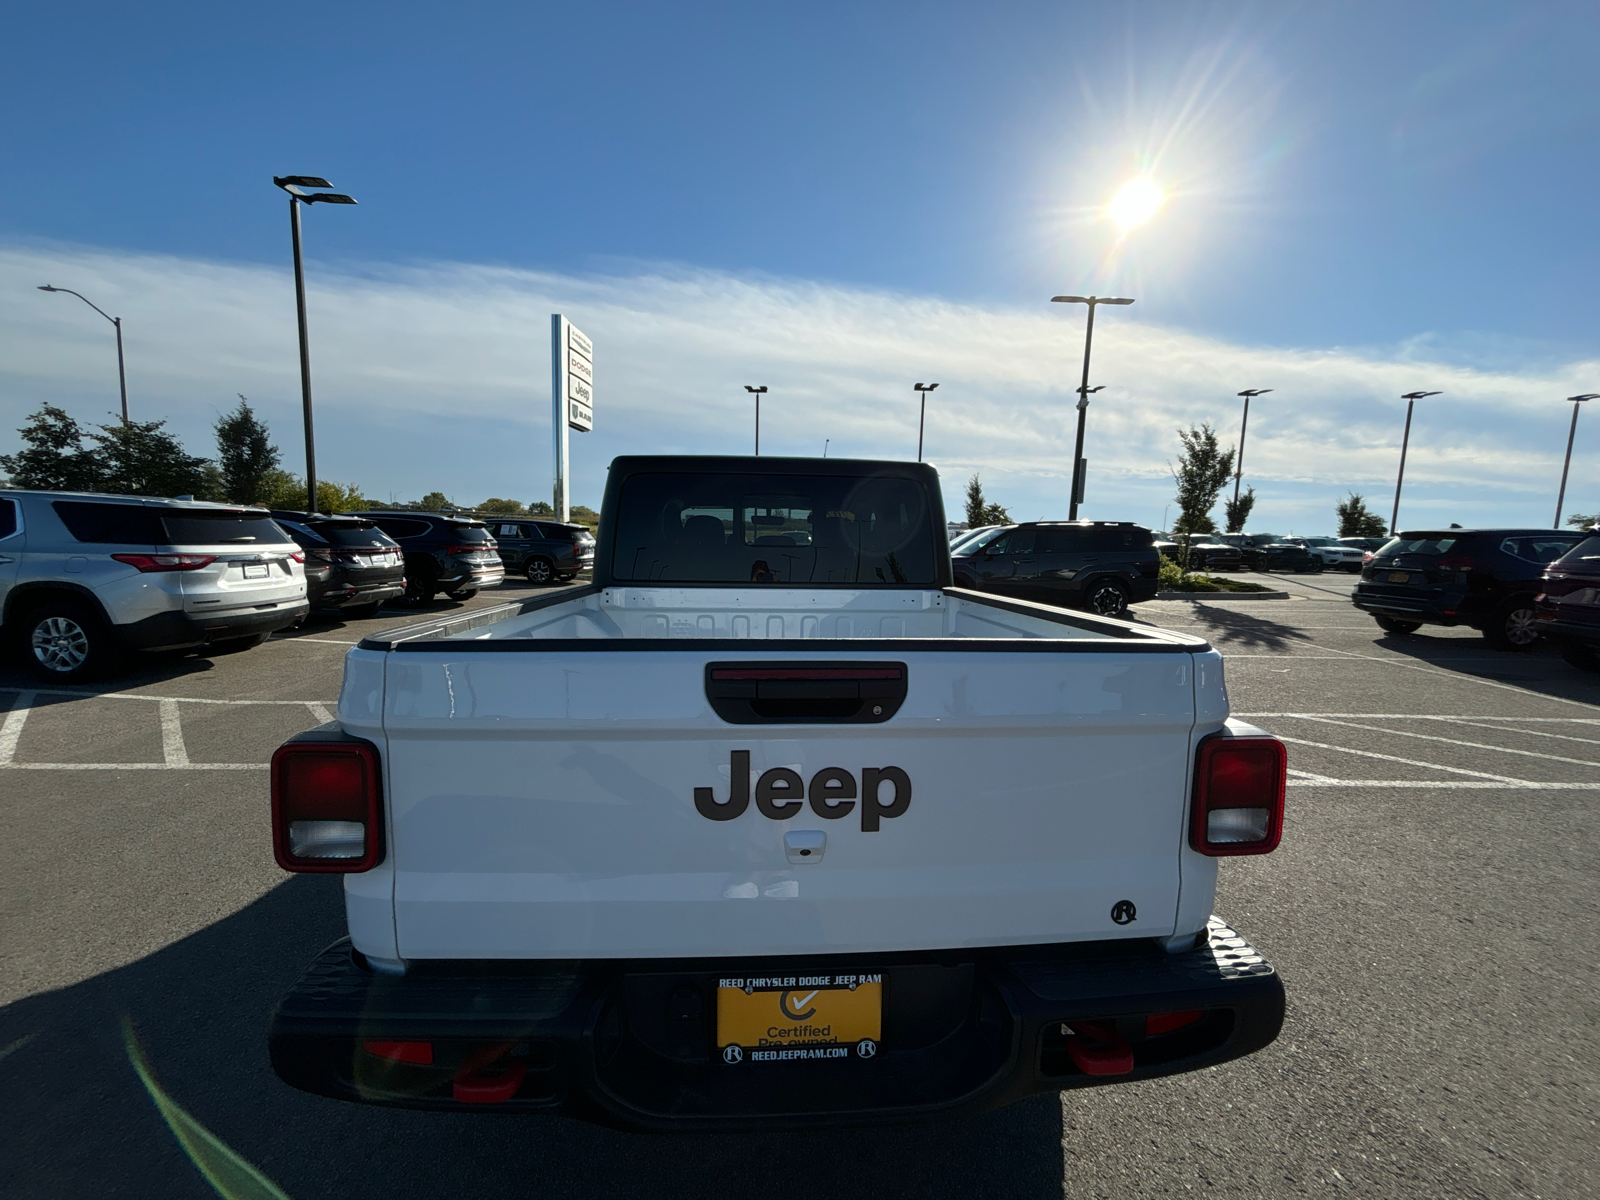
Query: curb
[{"x": 1221, "y": 595}]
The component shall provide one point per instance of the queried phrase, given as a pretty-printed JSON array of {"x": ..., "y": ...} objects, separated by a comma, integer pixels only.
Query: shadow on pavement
[
  {"x": 79, "y": 1123},
  {"x": 1540, "y": 669},
  {"x": 1229, "y": 629}
]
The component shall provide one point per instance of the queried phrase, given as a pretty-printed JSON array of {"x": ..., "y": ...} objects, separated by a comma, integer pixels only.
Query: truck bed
[{"x": 542, "y": 792}]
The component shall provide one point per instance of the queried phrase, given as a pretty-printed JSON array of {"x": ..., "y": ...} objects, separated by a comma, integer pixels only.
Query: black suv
[
  {"x": 453, "y": 555},
  {"x": 543, "y": 550},
  {"x": 1269, "y": 552},
  {"x": 1102, "y": 566},
  {"x": 1484, "y": 578},
  {"x": 352, "y": 566}
]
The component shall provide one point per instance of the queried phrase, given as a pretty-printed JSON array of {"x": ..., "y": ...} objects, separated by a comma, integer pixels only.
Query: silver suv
[{"x": 85, "y": 576}]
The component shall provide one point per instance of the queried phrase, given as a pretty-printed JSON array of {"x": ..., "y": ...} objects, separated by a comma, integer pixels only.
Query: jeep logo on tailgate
[{"x": 781, "y": 793}]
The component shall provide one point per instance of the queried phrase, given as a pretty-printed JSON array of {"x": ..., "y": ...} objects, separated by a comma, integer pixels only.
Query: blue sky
[{"x": 1403, "y": 193}]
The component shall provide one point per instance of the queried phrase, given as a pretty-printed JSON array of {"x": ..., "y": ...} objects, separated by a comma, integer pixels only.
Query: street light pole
[
  {"x": 757, "y": 392},
  {"x": 1561, "y": 496},
  {"x": 122, "y": 375},
  {"x": 295, "y": 185},
  {"x": 922, "y": 391},
  {"x": 1411, "y": 399},
  {"x": 1083, "y": 390},
  {"x": 1238, "y": 466}
]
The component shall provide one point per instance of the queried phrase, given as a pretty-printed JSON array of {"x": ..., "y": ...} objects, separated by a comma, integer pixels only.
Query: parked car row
[{"x": 85, "y": 577}]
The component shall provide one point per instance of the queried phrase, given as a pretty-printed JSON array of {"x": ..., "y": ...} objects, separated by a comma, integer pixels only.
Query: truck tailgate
[{"x": 543, "y": 805}]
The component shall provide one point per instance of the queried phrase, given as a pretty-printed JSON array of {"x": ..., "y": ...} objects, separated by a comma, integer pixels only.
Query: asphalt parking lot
[{"x": 1432, "y": 909}]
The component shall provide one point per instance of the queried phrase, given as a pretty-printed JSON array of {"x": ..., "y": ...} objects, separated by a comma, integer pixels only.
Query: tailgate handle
[{"x": 837, "y": 693}]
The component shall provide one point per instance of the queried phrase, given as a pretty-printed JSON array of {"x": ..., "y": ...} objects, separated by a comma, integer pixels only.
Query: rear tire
[
  {"x": 1585, "y": 658},
  {"x": 65, "y": 642},
  {"x": 419, "y": 589},
  {"x": 1106, "y": 598},
  {"x": 1513, "y": 627},
  {"x": 540, "y": 570},
  {"x": 1397, "y": 628}
]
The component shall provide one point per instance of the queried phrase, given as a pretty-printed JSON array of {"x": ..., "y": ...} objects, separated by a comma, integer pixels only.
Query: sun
[{"x": 1135, "y": 203}]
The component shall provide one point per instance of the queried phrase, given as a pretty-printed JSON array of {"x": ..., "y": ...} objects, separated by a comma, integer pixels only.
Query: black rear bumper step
[{"x": 632, "y": 1043}]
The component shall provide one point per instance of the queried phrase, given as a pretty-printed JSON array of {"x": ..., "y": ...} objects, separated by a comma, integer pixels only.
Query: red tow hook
[
  {"x": 475, "y": 1084},
  {"x": 1098, "y": 1049}
]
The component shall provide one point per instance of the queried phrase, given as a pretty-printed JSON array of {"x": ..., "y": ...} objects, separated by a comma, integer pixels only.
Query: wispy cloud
[{"x": 437, "y": 376}]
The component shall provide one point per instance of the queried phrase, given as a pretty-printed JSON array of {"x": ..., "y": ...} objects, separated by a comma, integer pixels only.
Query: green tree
[
  {"x": 52, "y": 458},
  {"x": 541, "y": 508},
  {"x": 1238, "y": 511},
  {"x": 499, "y": 507},
  {"x": 1356, "y": 520},
  {"x": 979, "y": 511},
  {"x": 245, "y": 454},
  {"x": 282, "y": 489},
  {"x": 140, "y": 458},
  {"x": 1201, "y": 473},
  {"x": 434, "y": 502},
  {"x": 1576, "y": 520}
]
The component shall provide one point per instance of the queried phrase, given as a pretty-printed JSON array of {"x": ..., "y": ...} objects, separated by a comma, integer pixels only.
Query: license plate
[
  {"x": 794, "y": 1018},
  {"x": 256, "y": 570},
  {"x": 1399, "y": 576}
]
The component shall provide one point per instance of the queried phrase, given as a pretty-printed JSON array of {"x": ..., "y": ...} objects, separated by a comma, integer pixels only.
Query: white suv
[
  {"x": 85, "y": 576},
  {"x": 1332, "y": 551}
]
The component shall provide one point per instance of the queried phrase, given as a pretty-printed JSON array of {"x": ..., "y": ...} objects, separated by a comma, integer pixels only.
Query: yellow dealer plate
[{"x": 777, "y": 1018}]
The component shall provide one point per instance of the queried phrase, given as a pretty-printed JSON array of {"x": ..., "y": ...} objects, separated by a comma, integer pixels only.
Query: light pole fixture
[
  {"x": 1411, "y": 399},
  {"x": 757, "y": 392},
  {"x": 295, "y": 185},
  {"x": 825, "y": 442},
  {"x": 1238, "y": 465},
  {"x": 922, "y": 392},
  {"x": 1561, "y": 496},
  {"x": 1083, "y": 390},
  {"x": 122, "y": 376}
]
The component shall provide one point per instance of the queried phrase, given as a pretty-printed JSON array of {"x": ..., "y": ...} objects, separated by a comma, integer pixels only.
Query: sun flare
[{"x": 1135, "y": 203}]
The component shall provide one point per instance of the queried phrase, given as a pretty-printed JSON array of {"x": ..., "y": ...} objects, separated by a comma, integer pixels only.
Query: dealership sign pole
[{"x": 572, "y": 392}]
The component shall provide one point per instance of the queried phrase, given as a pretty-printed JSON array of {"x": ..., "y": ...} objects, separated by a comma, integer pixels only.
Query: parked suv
[
  {"x": 453, "y": 555},
  {"x": 352, "y": 566},
  {"x": 1568, "y": 611},
  {"x": 1484, "y": 578},
  {"x": 543, "y": 550},
  {"x": 85, "y": 576},
  {"x": 1269, "y": 552},
  {"x": 1333, "y": 553},
  {"x": 1102, "y": 566}
]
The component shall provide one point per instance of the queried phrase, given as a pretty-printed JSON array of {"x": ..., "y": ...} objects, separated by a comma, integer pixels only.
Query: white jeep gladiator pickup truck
[{"x": 771, "y": 826}]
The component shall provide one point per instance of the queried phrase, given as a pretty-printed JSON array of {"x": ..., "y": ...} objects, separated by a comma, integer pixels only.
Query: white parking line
[
  {"x": 87, "y": 695},
  {"x": 1407, "y": 762},
  {"x": 316, "y": 641},
  {"x": 1454, "y": 785},
  {"x": 320, "y": 712},
  {"x": 12, "y": 729},
  {"x": 172, "y": 747},
  {"x": 1428, "y": 737}
]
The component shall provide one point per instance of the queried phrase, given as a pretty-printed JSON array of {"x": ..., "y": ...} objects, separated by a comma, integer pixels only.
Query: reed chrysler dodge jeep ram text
[{"x": 772, "y": 826}]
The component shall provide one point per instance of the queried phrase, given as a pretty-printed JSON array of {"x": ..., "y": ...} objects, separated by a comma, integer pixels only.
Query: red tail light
[
  {"x": 299, "y": 556},
  {"x": 166, "y": 562},
  {"x": 419, "y": 1054},
  {"x": 1238, "y": 795},
  {"x": 327, "y": 807},
  {"x": 471, "y": 548}
]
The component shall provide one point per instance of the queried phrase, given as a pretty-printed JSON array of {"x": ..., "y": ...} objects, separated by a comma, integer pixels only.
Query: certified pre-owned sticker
[{"x": 833, "y": 793}]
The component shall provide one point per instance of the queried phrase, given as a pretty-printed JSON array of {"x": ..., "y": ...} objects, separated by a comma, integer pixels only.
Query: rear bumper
[
  {"x": 348, "y": 591},
  {"x": 1585, "y": 633},
  {"x": 176, "y": 630},
  {"x": 632, "y": 1044},
  {"x": 1429, "y": 609},
  {"x": 473, "y": 577}
]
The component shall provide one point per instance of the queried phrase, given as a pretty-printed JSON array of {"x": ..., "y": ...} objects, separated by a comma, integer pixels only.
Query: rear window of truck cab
[{"x": 743, "y": 529}]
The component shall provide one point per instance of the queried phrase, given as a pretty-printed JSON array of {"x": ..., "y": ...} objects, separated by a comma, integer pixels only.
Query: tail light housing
[
  {"x": 1239, "y": 787},
  {"x": 471, "y": 548},
  {"x": 327, "y": 806},
  {"x": 157, "y": 563}
]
